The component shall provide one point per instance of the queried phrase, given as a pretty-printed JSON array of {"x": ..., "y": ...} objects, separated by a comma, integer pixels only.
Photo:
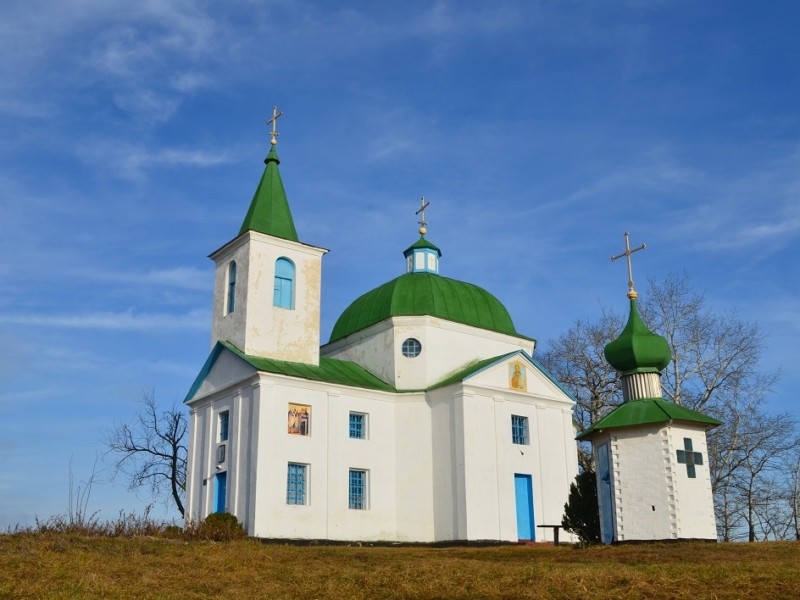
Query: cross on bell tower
[{"x": 274, "y": 122}]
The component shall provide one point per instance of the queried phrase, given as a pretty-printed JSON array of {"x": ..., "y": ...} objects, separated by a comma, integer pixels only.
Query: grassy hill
[{"x": 66, "y": 565}]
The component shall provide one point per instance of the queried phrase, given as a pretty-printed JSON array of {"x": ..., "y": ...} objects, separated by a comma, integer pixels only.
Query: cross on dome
[
  {"x": 423, "y": 204},
  {"x": 274, "y": 122},
  {"x": 627, "y": 254}
]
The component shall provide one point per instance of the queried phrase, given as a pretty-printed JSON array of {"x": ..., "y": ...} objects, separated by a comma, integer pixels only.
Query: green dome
[
  {"x": 416, "y": 294},
  {"x": 637, "y": 349}
]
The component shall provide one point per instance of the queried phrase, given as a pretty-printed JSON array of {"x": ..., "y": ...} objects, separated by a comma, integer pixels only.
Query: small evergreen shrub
[
  {"x": 581, "y": 512},
  {"x": 219, "y": 527}
]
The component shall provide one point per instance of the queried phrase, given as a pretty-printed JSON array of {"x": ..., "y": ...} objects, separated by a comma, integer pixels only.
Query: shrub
[
  {"x": 218, "y": 527},
  {"x": 581, "y": 512}
]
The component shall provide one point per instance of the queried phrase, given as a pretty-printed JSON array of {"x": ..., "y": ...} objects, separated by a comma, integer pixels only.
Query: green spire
[
  {"x": 637, "y": 349},
  {"x": 269, "y": 211}
]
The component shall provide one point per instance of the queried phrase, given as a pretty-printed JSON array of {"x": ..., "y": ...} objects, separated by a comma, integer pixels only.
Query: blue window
[
  {"x": 223, "y": 426},
  {"x": 296, "y": 484},
  {"x": 284, "y": 284},
  {"x": 358, "y": 426},
  {"x": 411, "y": 348},
  {"x": 231, "y": 301},
  {"x": 519, "y": 430},
  {"x": 358, "y": 489}
]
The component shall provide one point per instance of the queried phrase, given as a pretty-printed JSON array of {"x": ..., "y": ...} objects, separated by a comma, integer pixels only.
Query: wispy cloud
[
  {"x": 121, "y": 321},
  {"x": 132, "y": 161},
  {"x": 185, "y": 278}
]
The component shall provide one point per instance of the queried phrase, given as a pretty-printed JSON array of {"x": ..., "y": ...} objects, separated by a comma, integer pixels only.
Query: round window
[{"x": 411, "y": 348}]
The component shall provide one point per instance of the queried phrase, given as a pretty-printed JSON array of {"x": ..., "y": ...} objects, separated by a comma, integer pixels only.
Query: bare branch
[{"x": 150, "y": 451}]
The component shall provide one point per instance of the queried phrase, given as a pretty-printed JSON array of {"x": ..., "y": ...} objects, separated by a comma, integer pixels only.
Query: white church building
[{"x": 424, "y": 418}]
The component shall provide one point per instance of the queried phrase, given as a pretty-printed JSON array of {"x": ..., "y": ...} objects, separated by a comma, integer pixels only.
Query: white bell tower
[{"x": 267, "y": 283}]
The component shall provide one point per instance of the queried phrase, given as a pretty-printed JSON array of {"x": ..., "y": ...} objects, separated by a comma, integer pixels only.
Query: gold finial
[
  {"x": 423, "y": 204},
  {"x": 631, "y": 292},
  {"x": 274, "y": 122}
]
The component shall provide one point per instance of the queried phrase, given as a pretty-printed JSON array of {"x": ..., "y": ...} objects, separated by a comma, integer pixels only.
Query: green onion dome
[
  {"x": 424, "y": 293},
  {"x": 637, "y": 349}
]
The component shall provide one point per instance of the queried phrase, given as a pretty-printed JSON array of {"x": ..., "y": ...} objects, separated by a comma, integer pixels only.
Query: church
[{"x": 423, "y": 418}]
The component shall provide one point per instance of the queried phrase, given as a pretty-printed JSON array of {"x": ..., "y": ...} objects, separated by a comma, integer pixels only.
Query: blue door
[
  {"x": 220, "y": 491},
  {"x": 523, "y": 488},
  {"x": 604, "y": 493}
]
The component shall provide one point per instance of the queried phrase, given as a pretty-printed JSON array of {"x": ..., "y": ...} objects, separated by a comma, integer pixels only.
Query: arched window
[
  {"x": 231, "y": 299},
  {"x": 284, "y": 283}
]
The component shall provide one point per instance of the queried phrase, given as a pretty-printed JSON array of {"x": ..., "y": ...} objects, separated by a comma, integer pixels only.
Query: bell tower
[{"x": 267, "y": 283}]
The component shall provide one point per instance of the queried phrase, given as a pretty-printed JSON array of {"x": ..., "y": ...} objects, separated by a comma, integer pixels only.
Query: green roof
[
  {"x": 269, "y": 210},
  {"x": 329, "y": 370},
  {"x": 467, "y": 370},
  {"x": 647, "y": 411},
  {"x": 637, "y": 349},
  {"x": 421, "y": 243},
  {"x": 474, "y": 367},
  {"x": 416, "y": 294}
]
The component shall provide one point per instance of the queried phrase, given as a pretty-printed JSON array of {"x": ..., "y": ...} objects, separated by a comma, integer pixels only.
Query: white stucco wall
[
  {"x": 441, "y": 464},
  {"x": 694, "y": 498},
  {"x": 550, "y": 458},
  {"x": 653, "y": 497},
  {"x": 256, "y": 326}
]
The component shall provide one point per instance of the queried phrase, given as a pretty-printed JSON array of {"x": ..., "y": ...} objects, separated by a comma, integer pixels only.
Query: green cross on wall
[{"x": 689, "y": 458}]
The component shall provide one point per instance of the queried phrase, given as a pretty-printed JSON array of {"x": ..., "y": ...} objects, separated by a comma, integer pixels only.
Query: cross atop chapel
[{"x": 627, "y": 254}]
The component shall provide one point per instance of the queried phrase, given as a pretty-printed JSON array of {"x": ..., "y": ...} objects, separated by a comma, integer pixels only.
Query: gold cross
[
  {"x": 274, "y": 122},
  {"x": 423, "y": 204},
  {"x": 631, "y": 292}
]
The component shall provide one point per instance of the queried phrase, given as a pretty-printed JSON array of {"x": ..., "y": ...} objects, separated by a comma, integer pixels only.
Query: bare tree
[
  {"x": 150, "y": 450},
  {"x": 714, "y": 357},
  {"x": 792, "y": 466}
]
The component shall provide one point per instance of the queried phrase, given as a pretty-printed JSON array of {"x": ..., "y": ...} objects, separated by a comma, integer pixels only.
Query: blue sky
[{"x": 131, "y": 141}]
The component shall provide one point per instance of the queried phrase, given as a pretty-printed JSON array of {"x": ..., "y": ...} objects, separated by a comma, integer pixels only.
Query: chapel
[
  {"x": 424, "y": 417},
  {"x": 651, "y": 455}
]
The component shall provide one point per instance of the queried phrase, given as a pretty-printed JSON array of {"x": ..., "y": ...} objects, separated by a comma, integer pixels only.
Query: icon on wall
[
  {"x": 516, "y": 377},
  {"x": 299, "y": 419}
]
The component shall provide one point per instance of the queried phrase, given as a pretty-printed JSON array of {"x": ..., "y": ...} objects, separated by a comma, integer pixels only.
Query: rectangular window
[
  {"x": 358, "y": 489},
  {"x": 223, "y": 426},
  {"x": 221, "y": 453},
  {"x": 296, "y": 484},
  {"x": 358, "y": 426},
  {"x": 519, "y": 430}
]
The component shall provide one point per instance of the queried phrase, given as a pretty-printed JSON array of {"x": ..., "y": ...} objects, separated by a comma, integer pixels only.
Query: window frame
[
  {"x": 358, "y": 489},
  {"x": 297, "y": 496},
  {"x": 230, "y": 288},
  {"x": 223, "y": 432},
  {"x": 520, "y": 430},
  {"x": 411, "y": 347},
  {"x": 283, "y": 292},
  {"x": 357, "y": 423}
]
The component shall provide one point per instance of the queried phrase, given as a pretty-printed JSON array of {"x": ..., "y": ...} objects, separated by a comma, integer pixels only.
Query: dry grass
[{"x": 67, "y": 565}]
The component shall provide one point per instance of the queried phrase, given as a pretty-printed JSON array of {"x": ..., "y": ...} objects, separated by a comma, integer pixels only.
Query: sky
[{"x": 132, "y": 136}]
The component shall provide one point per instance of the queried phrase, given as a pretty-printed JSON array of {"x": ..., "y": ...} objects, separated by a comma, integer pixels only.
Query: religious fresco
[
  {"x": 516, "y": 377},
  {"x": 299, "y": 419}
]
